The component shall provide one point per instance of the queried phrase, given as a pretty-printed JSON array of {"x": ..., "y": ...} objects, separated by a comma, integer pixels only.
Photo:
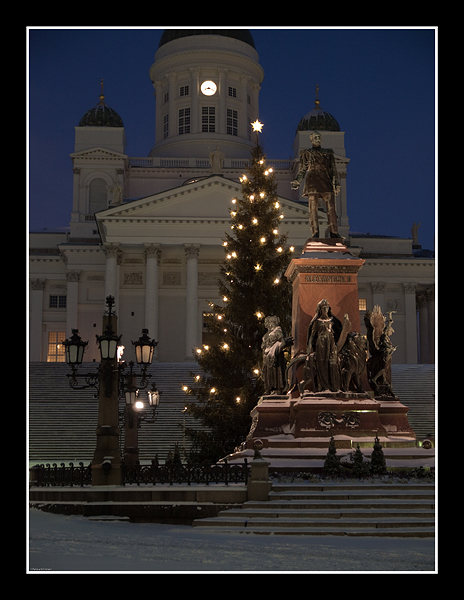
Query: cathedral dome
[
  {"x": 243, "y": 35},
  {"x": 101, "y": 115},
  {"x": 318, "y": 119}
]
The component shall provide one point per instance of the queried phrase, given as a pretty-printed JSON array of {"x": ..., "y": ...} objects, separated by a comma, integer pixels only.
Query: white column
[
  {"x": 152, "y": 255},
  {"x": 112, "y": 252},
  {"x": 430, "y": 294},
  {"x": 191, "y": 326},
  {"x": 222, "y": 119},
  {"x": 172, "y": 104},
  {"x": 243, "y": 111},
  {"x": 378, "y": 295},
  {"x": 255, "y": 87},
  {"x": 423, "y": 328},
  {"x": 411, "y": 323},
  {"x": 159, "y": 103},
  {"x": 36, "y": 317},
  {"x": 76, "y": 187},
  {"x": 195, "y": 85},
  {"x": 72, "y": 298}
]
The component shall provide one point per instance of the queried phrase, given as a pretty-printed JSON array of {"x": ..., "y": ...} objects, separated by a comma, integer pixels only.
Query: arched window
[{"x": 98, "y": 196}]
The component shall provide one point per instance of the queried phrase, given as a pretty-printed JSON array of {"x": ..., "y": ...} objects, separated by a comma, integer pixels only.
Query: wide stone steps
[
  {"x": 62, "y": 421},
  {"x": 358, "y": 510},
  {"x": 415, "y": 386}
]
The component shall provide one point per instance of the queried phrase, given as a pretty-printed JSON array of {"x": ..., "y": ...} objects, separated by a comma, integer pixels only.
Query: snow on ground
[{"x": 60, "y": 543}]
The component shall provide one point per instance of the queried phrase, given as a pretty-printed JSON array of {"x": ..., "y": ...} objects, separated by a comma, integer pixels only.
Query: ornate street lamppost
[
  {"x": 110, "y": 382},
  {"x": 134, "y": 414}
]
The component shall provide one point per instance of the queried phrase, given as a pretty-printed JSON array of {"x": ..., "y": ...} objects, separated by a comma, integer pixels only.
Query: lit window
[
  {"x": 55, "y": 346},
  {"x": 362, "y": 304}
]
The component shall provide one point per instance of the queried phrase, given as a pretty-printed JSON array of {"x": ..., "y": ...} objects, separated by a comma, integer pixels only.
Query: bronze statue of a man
[{"x": 318, "y": 164}]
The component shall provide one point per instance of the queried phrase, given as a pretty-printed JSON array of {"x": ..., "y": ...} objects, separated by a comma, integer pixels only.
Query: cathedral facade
[{"x": 149, "y": 230}]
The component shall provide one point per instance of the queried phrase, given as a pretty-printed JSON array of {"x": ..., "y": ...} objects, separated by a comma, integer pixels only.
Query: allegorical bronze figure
[
  {"x": 318, "y": 164},
  {"x": 273, "y": 344},
  {"x": 381, "y": 350}
]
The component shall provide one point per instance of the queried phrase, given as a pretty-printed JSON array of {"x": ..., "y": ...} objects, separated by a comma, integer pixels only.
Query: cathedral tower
[{"x": 207, "y": 84}]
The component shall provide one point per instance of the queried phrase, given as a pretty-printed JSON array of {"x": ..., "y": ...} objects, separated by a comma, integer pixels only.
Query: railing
[
  {"x": 223, "y": 472},
  {"x": 185, "y": 473},
  {"x": 229, "y": 163},
  {"x": 52, "y": 475}
]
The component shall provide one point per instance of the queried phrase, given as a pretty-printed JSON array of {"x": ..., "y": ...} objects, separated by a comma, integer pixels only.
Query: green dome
[
  {"x": 239, "y": 34},
  {"x": 318, "y": 119},
  {"x": 101, "y": 115}
]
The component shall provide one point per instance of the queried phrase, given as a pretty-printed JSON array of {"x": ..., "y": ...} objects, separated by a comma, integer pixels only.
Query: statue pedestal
[
  {"x": 296, "y": 428},
  {"x": 325, "y": 270},
  {"x": 327, "y": 414}
]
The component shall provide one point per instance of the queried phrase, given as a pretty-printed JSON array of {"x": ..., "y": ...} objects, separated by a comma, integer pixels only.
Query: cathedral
[{"x": 149, "y": 230}]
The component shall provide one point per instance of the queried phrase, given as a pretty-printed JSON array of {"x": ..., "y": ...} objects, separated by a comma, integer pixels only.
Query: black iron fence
[
  {"x": 223, "y": 472},
  {"x": 54, "y": 475}
]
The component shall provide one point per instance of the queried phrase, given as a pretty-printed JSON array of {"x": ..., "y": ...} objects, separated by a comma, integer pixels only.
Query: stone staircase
[
  {"x": 388, "y": 510},
  {"x": 415, "y": 386},
  {"x": 62, "y": 421}
]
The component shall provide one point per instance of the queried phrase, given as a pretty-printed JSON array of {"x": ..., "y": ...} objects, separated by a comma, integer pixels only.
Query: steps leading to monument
[
  {"x": 415, "y": 386},
  {"x": 62, "y": 421},
  {"x": 284, "y": 459},
  {"x": 404, "y": 510}
]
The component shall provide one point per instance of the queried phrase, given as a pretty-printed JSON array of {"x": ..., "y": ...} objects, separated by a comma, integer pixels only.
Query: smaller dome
[
  {"x": 317, "y": 119},
  {"x": 101, "y": 115}
]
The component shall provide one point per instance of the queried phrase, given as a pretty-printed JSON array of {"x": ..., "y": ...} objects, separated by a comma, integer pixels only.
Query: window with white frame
[
  {"x": 232, "y": 119},
  {"x": 184, "y": 121},
  {"x": 208, "y": 119},
  {"x": 184, "y": 90},
  {"x": 55, "y": 346},
  {"x": 57, "y": 301}
]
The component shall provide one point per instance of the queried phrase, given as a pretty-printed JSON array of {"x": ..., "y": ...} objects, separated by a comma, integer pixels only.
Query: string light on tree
[{"x": 251, "y": 287}]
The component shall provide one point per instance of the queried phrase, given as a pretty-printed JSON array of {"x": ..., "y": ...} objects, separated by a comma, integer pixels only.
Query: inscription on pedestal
[{"x": 316, "y": 278}]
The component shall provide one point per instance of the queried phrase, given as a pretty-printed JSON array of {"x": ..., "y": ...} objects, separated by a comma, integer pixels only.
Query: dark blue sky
[{"x": 378, "y": 83}]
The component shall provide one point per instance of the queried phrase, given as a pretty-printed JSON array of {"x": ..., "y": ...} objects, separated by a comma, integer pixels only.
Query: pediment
[
  {"x": 195, "y": 213},
  {"x": 98, "y": 152},
  {"x": 207, "y": 199}
]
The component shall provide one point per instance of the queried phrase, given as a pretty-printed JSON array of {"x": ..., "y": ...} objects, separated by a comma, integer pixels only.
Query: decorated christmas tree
[{"x": 252, "y": 287}]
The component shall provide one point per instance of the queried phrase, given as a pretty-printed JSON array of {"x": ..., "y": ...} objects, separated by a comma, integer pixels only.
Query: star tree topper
[{"x": 257, "y": 126}]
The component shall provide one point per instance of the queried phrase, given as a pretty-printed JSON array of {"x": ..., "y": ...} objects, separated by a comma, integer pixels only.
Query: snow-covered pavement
[{"x": 60, "y": 543}]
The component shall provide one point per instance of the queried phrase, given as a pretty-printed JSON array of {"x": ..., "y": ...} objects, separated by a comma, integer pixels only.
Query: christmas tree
[{"x": 252, "y": 286}]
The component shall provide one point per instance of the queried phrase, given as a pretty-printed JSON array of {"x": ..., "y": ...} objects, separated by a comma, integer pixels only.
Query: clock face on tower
[{"x": 208, "y": 88}]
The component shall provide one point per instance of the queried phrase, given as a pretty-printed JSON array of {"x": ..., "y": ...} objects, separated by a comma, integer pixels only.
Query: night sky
[{"x": 380, "y": 85}]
